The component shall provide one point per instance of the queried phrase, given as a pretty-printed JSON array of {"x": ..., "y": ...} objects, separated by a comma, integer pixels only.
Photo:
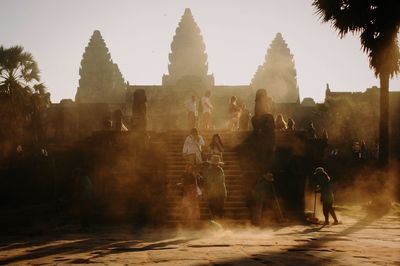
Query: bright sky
[{"x": 138, "y": 34}]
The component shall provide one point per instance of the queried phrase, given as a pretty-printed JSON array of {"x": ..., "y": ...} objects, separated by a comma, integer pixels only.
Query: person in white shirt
[
  {"x": 207, "y": 110},
  {"x": 191, "y": 107},
  {"x": 193, "y": 146}
]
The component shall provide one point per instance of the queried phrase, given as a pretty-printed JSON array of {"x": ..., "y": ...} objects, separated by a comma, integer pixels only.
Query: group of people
[
  {"x": 239, "y": 116},
  {"x": 280, "y": 123},
  {"x": 199, "y": 113},
  {"x": 203, "y": 176}
]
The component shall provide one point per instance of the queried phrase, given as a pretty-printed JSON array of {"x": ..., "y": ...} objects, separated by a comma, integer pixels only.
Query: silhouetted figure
[
  {"x": 216, "y": 146},
  {"x": 325, "y": 135},
  {"x": 107, "y": 123},
  {"x": 234, "y": 114},
  {"x": 356, "y": 150},
  {"x": 310, "y": 131},
  {"x": 83, "y": 196},
  {"x": 263, "y": 105},
  {"x": 244, "y": 120},
  {"x": 324, "y": 186},
  {"x": 291, "y": 124},
  {"x": 192, "y": 148},
  {"x": 192, "y": 112},
  {"x": 265, "y": 141},
  {"x": 261, "y": 198},
  {"x": 207, "y": 109},
  {"x": 280, "y": 123},
  {"x": 191, "y": 193},
  {"x": 139, "y": 110},
  {"x": 364, "y": 151},
  {"x": 118, "y": 123},
  {"x": 215, "y": 186}
]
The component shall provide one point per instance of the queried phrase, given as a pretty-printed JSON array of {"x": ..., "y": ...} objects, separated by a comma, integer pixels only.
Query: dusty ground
[{"x": 361, "y": 240}]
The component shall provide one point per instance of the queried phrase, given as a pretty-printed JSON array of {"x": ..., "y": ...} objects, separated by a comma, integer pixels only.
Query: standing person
[
  {"x": 290, "y": 124},
  {"x": 215, "y": 185},
  {"x": 216, "y": 146},
  {"x": 244, "y": 119},
  {"x": 207, "y": 110},
  {"x": 83, "y": 196},
  {"x": 323, "y": 182},
  {"x": 310, "y": 131},
  {"x": 234, "y": 114},
  {"x": 192, "y": 147},
  {"x": 280, "y": 123},
  {"x": 191, "y": 193},
  {"x": 191, "y": 107}
]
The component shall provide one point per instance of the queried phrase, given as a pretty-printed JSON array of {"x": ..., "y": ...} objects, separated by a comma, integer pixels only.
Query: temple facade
[
  {"x": 188, "y": 75},
  {"x": 102, "y": 91}
]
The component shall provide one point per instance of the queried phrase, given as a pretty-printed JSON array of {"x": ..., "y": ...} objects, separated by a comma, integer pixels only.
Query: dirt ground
[{"x": 361, "y": 239}]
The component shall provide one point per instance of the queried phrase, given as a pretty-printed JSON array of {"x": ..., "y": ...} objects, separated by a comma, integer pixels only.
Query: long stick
[
  {"x": 315, "y": 202},
  {"x": 277, "y": 201}
]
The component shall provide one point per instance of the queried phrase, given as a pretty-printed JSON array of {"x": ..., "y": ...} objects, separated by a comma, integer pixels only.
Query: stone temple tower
[
  {"x": 188, "y": 65},
  {"x": 278, "y": 73}
]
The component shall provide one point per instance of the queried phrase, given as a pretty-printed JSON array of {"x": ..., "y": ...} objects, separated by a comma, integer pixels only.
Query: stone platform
[{"x": 359, "y": 240}]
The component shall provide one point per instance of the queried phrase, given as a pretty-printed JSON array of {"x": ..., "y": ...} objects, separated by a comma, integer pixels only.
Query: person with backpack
[{"x": 214, "y": 179}]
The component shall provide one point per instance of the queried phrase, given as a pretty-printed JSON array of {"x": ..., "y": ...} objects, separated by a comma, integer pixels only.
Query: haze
[{"x": 138, "y": 35}]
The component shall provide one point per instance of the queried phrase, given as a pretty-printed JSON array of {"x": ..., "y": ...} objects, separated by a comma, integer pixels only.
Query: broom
[{"x": 313, "y": 219}]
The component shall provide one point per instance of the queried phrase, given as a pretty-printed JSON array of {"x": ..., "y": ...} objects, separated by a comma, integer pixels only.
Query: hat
[
  {"x": 215, "y": 159},
  {"x": 319, "y": 170}
]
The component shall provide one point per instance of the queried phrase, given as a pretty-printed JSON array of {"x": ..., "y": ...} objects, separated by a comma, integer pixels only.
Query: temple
[
  {"x": 130, "y": 137},
  {"x": 188, "y": 57},
  {"x": 100, "y": 78},
  {"x": 278, "y": 74},
  {"x": 102, "y": 91}
]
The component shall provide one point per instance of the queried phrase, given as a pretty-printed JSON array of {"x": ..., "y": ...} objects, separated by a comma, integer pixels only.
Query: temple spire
[
  {"x": 188, "y": 57},
  {"x": 100, "y": 79},
  {"x": 278, "y": 74}
]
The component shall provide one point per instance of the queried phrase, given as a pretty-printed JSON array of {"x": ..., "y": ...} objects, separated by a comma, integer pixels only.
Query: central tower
[{"x": 188, "y": 66}]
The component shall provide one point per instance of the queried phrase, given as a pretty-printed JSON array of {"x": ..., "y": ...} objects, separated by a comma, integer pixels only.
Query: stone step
[
  {"x": 229, "y": 160},
  {"x": 233, "y": 172},
  {"x": 236, "y": 210},
  {"x": 231, "y": 183},
  {"x": 231, "y": 189}
]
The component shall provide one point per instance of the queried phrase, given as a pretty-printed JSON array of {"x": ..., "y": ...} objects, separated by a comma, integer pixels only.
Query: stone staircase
[{"x": 235, "y": 210}]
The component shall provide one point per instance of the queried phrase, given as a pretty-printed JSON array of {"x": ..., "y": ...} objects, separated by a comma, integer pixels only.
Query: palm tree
[
  {"x": 377, "y": 23},
  {"x": 19, "y": 79},
  {"x": 18, "y": 72}
]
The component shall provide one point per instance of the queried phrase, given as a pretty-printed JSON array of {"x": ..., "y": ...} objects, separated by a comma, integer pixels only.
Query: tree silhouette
[
  {"x": 278, "y": 74},
  {"x": 21, "y": 92},
  {"x": 377, "y": 23}
]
